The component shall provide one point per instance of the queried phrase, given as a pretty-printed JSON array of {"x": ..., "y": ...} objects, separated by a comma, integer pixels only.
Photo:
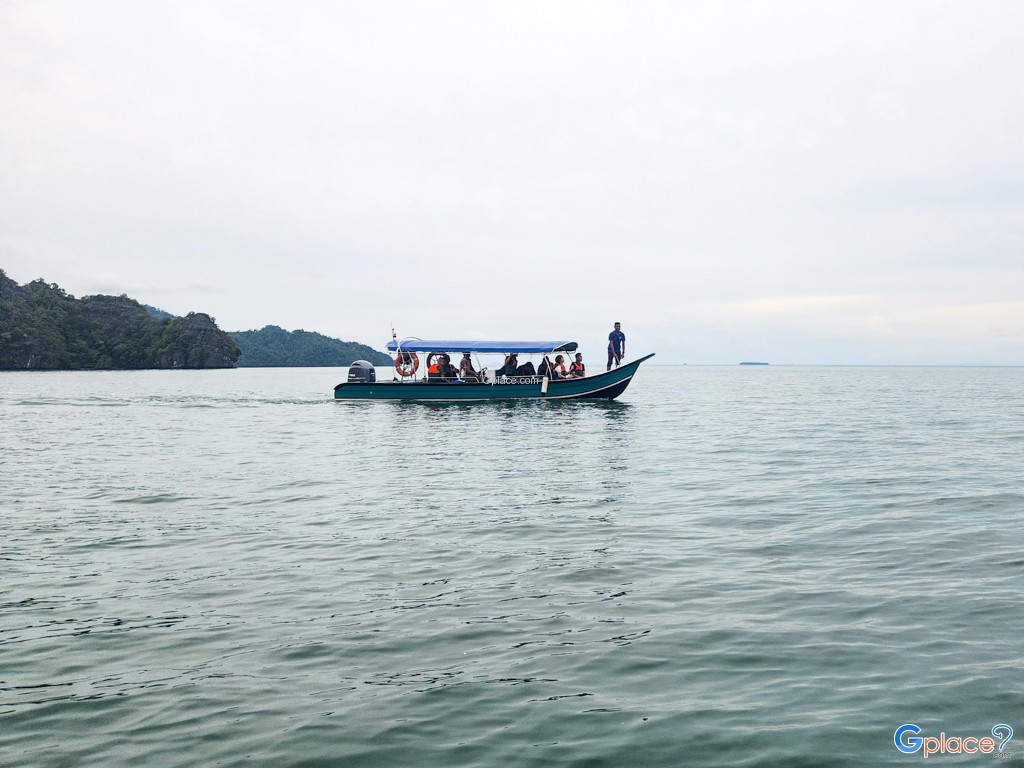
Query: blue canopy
[{"x": 494, "y": 347}]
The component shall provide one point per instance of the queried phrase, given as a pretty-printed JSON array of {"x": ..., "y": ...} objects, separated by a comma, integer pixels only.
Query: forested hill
[
  {"x": 43, "y": 327},
  {"x": 274, "y": 347}
]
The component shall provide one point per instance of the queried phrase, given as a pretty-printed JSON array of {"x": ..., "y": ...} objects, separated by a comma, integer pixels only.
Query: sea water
[{"x": 745, "y": 566}]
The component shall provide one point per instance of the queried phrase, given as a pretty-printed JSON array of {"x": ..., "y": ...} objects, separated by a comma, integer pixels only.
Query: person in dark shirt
[
  {"x": 448, "y": 371},
  {"x": 510, "y": 366},
  {"x": 616, "y": 346}
]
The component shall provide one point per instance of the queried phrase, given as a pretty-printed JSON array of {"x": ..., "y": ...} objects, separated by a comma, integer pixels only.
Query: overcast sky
[{"x": 794, "y": 182}]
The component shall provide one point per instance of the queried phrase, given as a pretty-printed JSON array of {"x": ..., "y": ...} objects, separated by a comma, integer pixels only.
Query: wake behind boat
[{"x": 481, "y": 384}]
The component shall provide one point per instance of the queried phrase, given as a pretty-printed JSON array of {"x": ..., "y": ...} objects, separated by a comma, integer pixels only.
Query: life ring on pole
[{"x": 407, "y": 363}]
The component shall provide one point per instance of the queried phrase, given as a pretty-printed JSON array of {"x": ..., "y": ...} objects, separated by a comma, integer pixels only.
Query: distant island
[
  {"x": 752, "y": 363},
  {"x": 42, "y": 327},
  {"x": 274, "y": 347}
]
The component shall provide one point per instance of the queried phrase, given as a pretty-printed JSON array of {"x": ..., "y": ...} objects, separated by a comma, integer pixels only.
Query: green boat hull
[{"x": 603, "y": 386}]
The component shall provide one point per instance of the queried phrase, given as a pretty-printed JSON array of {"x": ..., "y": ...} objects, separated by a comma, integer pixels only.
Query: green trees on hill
[
  {"x": 275, "y": 347},
  {"x": 42, "y": 327}
]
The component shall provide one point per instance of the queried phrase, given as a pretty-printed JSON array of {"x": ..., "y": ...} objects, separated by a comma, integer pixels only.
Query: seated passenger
[
  {"x": 526, "y": 369},
  {"x": 466, "y": 369},
  {"x": 442, "y": 370},
  {"x": 544, "y": 367},
  {"x": 509, "y": 368},
  {"x": 447, "y": 371},
  {"x": 576, "y": 368},
  {"x": 557, "y": 371}
]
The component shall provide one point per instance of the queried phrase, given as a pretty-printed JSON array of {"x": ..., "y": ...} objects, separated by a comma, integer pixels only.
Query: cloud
[{"x": 827, "y": 171}]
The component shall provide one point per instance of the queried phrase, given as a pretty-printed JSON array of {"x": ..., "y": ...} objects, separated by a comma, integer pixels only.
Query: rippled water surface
[{"x": 749, "y": 566}]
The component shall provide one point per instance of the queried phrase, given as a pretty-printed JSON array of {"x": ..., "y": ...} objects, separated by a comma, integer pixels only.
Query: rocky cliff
[{"x": 197, "y": 343}]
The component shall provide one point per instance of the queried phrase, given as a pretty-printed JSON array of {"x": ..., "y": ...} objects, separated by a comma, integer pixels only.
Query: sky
[{"x": 790, "y": 182}]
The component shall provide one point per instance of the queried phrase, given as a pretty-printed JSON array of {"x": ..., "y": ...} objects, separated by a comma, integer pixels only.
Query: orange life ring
[{"x": 407, "y": 364}]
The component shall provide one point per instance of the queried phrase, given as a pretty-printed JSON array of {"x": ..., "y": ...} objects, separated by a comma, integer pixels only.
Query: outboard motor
[{"x": 362, "y": 372}]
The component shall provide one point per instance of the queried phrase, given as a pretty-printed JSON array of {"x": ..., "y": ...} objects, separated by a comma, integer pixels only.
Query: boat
[{"x": 409, "y": 384}]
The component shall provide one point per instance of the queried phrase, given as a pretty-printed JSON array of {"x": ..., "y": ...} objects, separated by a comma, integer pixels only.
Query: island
[
  {"x": 274, "y": 347},
  {"x": 42, "y": 327}
]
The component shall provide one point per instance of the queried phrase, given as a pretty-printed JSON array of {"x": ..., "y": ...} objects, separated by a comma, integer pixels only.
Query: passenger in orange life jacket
[
  {"x": 442, "y": 369},
  {"x": 576, "y": 368},
  {"x": 557, "y": 371},
  {"x": 553, "y": 370}
]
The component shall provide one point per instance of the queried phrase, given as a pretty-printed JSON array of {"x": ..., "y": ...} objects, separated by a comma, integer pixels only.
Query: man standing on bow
[{"x": 616, "y": 346}]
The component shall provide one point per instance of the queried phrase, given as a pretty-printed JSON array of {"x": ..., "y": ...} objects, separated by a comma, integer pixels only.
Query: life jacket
[{"x": 577, "y": 369}]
